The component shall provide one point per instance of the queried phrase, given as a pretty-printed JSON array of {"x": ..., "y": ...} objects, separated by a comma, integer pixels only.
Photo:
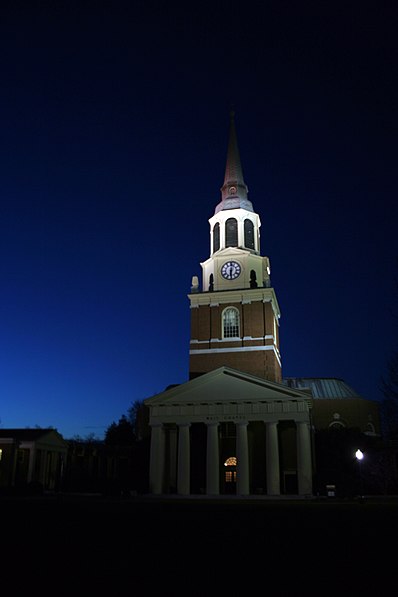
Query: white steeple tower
[
  {"x": 235, "y": 317},
  {"x": 235, "y": 260}
]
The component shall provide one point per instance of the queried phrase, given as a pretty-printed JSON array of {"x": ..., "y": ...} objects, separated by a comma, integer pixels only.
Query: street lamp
[{"x": 359, "y": 456}]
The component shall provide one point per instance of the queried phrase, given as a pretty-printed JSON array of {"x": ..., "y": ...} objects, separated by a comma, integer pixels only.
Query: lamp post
[{"x": 359, "y": 456}]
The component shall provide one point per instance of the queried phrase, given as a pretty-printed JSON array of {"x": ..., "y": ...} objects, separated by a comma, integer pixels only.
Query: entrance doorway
[
  {"x": 230, "y": 475},
  {"x": 290, "y": 483}
]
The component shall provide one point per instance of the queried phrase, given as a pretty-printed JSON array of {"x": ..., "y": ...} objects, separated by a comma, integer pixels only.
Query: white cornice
[
  {"x": 238, "y": 349},
  {"x": 224, "y": 297},
  {"x": 261, "y": 338}
]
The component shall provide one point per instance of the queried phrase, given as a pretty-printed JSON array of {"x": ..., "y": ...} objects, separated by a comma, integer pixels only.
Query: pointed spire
[
  {"x": 234, "y": 190},
  {"x": 233, "y": 168}
]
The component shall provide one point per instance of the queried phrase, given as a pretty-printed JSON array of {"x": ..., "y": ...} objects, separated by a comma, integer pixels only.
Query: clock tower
[{"x": 235, "y": 315}]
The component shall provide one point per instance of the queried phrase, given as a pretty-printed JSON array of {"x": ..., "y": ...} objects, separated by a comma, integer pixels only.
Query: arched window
[
  {"x": 231, "y": 233},
  {"x": 336, "y": 425},
  {"x": 216, "y": 237},
  {"x": 231, "y": 461},
  {"x": 230, "y": 323},
  {"x": 249, "y": 234}
]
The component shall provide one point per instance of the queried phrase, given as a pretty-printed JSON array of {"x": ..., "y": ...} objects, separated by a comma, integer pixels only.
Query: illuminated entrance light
[{"x": 231, "y": 461}]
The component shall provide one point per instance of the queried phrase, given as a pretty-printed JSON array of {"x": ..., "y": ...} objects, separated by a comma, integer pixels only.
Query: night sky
[{"x": 114, "y": 131}]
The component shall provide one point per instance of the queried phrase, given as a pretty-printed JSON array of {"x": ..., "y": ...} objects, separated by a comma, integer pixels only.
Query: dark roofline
[
  {"x": 309, "y": 377},
  {"x": 26, "y": 433}
]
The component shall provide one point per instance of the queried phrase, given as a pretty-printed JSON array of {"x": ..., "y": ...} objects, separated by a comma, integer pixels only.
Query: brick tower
[{"x": 235, "y": 316}]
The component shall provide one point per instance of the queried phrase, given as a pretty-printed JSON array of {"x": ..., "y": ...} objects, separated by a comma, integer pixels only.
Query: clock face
[{"x": 230, "y": 270}]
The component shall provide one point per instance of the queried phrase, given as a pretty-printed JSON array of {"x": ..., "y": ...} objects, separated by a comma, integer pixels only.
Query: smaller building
[
  {"x": 32, "y": 458},
  {"x": 336, "y": 404}
]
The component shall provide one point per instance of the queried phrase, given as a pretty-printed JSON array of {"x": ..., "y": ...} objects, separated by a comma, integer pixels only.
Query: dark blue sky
[{"x": 114, "y": 129}]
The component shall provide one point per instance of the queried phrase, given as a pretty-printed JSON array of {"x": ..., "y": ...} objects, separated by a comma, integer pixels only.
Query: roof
[
  {"x": 225, "y": 385},
  {"x": 329, "y": 387},
  {"x": 26, "y": 434}
]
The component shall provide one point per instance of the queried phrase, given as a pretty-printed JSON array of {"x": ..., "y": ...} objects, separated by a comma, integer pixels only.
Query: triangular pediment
[
  {"x": 228, "y": 252},
  {"x": 226, "y": 385}
]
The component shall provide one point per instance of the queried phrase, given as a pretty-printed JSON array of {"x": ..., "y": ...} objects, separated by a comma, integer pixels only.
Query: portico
[{"x": 258, "y": 410}]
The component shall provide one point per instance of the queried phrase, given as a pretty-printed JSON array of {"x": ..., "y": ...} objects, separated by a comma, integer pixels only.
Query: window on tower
[
  {"x": 249, "y": 234},
  {"x": 230, "y": 321},
  {"x": 216, "y": 237},
  {"x": 231, "y": 233}
]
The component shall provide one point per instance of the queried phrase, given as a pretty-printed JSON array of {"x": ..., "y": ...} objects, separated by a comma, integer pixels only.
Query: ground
[{"x": 76, "y": 546}]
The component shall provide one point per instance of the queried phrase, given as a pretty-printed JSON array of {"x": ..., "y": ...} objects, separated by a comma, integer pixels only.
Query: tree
[
  {"x": 129, "y": 441},
  {"x": 138, "y": 415},
  {"x": 121, "y": 433}
]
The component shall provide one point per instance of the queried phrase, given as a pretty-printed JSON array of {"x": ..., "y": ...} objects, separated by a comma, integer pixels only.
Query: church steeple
[
  {"x": 234, "y": 190},
  {"x": 235, "y": 317}
]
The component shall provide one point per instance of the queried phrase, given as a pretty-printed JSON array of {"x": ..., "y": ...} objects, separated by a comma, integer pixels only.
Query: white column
[
  {"x": 156, "y": 462},
  {"x": 173, "y": 458},
  {"x": 272, "y": 458},
  {"x": 32, "y": 461},
  {"x": 212, "y": 460},
  {"x": 184, "y": 457},
  {"x": 304, "y": 463},
  {"x": 242, "y": 456}
]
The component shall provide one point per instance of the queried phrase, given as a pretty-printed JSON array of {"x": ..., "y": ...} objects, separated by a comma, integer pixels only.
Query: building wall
[
  {"x": 348, "y": 412},
  {"x": 260, "y": 363},
  {"x": 209, "y": 350}
]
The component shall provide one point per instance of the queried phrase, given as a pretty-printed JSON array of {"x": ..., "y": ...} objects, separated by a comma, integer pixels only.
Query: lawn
[{"x": 91, "y": 545}]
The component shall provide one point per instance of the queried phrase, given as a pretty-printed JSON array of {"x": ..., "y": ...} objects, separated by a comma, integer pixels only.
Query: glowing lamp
[{"x": 359, "y": 454}]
